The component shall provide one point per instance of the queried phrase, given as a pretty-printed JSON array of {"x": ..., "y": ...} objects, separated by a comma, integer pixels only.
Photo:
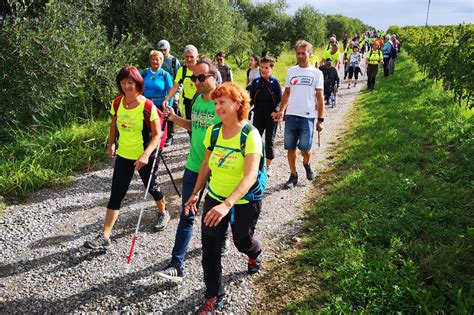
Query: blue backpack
[{"x": 257, "y": 190}]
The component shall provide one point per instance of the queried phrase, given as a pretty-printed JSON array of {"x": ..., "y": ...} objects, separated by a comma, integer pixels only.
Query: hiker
[
  {"x": 157, "y": 81},
  {"x": 204, "y": 76},
  {"x": 331, "y": 79},
  {"x": 345, "y": 41},
  {"x": 131, "y": 152},
  {"x": 334, "y": 54},
  {"x": 303, "y": 92},
  {"x": 183, "y": 78},
  {"x": 171, "y": 64},
  {"x": 393, "y": 54},
  {"x": 354, "y": 66},
  {"x": 253, "y": 71},
  {"x": 231, "y": 176},
  {"x": 374, "y": 58},
  {"x": 265, "y": 96},
  {"x": 387, "y": 51},
  {"x": 224, "y": 69},
  {"x": 347, "y": 53}
]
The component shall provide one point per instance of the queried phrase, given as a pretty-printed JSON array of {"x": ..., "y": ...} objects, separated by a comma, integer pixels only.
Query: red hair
[
  {"x": 130, "y": 72},
  {"x": 237, "y": 94}
]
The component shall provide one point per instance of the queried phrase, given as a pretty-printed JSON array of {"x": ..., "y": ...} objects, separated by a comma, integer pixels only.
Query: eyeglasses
[{"x": 201, "y": 77}]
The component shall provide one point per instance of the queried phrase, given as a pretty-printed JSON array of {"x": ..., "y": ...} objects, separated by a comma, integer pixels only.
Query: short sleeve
[
  {"x": 154, "y": 113},
  {"x": 179, "y": 74},
  {"x": 253, "y": 144},
  {"x": 207, "y": 137},
  {"x": 319, "y": 79}
]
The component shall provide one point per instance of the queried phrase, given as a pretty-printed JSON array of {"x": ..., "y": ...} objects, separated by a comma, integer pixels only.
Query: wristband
[
  {"x": 196, "y": 194},
  {"x": 320, "y": 119}
]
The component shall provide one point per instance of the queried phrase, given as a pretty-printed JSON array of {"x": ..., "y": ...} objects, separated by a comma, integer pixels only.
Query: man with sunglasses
[{"x": 202, "y": 116}]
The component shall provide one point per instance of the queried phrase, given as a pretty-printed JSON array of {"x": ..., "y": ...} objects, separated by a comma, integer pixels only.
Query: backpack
[
  {"x": 393, "y": 52},
  {"x": 257, "y": 191},
  {"x": 146, "y": 130},
  {"x": 257, "y": 85},
  {"x": 144, "y": 72}
]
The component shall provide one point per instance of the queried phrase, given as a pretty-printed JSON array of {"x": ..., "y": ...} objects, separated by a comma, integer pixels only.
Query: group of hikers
[{"x": 226, "y": 150}]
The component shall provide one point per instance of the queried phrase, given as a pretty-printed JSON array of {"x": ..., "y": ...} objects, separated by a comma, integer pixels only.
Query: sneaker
[
  {"x": 171, "y": 272},
  {"x": 100, "y": 242},
  {"x": 292, "y": 181},
  {"x": 225, "y": 249},
  {"x": 210, "y": 306},
  {"x": 309, "y": 172},
  {"x": 169, "y": 141},
  {"x": 254, "y": 265},
  {"x": 269, "y": 170},
  {"x": 162, "y": 221}
]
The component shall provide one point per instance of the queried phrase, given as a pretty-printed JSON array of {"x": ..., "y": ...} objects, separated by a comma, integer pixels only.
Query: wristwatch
[{"x": 320, "y": 119}]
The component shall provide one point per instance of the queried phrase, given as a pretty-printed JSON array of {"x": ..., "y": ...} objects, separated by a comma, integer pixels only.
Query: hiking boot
[
  {"x": 162, "y": 221},
  {"x": 100, "y": 242},
  {"x": 254, "y": 265},
  {"x": 269, "y": 170},
  {"x": 171, "y": 272},
  {"x": 291, "y": 183},
  {"x": 225, "y": 249},
  {"x": 309, "y": 172},
  {"x": 210, "y": 306},
  {"x": 169, "y": 141}
]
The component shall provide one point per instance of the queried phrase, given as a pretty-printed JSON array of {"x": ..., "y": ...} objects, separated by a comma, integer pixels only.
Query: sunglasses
[{"x": 201, "y": 77}]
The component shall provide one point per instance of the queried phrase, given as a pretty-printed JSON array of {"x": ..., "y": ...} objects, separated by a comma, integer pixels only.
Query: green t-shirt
[
  {"x": 129, "y": 126},
  {"x": 334, "y": 57},
  {"x": 202, "y": 116},
  {"x": 227, "y": 165},
  {"x": 189, "y": 89}
]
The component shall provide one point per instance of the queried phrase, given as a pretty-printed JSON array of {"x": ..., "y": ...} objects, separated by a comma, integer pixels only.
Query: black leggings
[
  {"x": 243, "y": 228},
  {"x": 123, "y": 173},
  {"x": 270, "y": 127}
]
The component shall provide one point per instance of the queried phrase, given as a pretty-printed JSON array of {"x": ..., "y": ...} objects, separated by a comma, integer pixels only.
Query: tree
[{"x": 310, "y": 25}]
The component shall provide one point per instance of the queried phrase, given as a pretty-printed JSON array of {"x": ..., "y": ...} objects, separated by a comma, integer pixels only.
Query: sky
[{"x": 384, "y": 13}]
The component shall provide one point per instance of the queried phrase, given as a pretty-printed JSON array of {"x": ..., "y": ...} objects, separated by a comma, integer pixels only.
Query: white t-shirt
[
  {"x": 303, "y": 83},
  {"x": 253, "y": 74},
  {"x": 354, "y": 59}
]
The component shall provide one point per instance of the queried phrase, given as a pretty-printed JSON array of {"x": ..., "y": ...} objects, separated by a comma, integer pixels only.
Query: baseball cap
[
  {"x": 329, "y": 59},
  {"x": 163, "y": 44}
]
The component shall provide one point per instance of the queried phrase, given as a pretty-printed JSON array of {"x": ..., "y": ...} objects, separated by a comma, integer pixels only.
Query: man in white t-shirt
[{"x": 302, "y": 100}]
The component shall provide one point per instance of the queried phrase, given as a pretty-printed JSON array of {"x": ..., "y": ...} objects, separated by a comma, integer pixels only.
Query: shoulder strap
[
  {"x": 248, "y": 73},
  {"x": 183, "y": 74},
  {"x": 243, "y": 137},
  {"x": 214, "y": 135},
  {"x": 117, "y": 103},
  {"x": 173, "y": 64},
  {"x": 143, "y": 72}
]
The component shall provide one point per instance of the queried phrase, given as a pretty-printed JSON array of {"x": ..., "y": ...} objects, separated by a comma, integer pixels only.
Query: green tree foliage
[
  {"x": 338, "y": 24},
  {"x": 308, "y": 24},
  {"x": 444, "y": 53},
  {"x": 58, "y": 67}
]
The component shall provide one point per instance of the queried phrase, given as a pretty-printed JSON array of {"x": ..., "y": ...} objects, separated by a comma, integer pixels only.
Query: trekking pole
[
  {"x": 319, "y": 140},
  {"x": 171, "y": 176},
  {"x": 134, "y": 238}
]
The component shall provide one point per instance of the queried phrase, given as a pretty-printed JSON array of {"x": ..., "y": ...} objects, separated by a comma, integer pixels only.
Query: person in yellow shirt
[
  {"x": 333, "y": 54},
  {"x": 374, "y": 58},
  {"x": 232, "y": 173}
]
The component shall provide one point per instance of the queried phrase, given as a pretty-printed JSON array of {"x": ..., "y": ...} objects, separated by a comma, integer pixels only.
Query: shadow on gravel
[
  {"x": 122, "y": 291},
  {"x": 191, "y": 302}
]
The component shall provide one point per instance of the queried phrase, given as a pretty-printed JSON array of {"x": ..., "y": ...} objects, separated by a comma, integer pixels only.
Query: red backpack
[{"x": 146, "y": 130}]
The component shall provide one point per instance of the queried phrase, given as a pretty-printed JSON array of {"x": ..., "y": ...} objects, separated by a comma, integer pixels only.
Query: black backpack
[{"x": 393, "y": 52}]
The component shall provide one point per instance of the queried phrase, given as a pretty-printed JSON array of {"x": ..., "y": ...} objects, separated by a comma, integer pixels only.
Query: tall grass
[{"x": 395, "y": 231}]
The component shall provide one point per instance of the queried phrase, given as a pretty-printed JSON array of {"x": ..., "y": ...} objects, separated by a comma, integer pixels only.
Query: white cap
[{"x": 163, "y": 44}]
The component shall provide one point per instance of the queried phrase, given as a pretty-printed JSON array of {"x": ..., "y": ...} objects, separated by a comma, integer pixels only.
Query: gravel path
[{"x": 45, "y": 269}]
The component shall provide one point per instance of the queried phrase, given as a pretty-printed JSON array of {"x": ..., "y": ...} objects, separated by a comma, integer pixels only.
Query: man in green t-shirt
[
  {"x": 333, "y": 54},
  {"x": 202, "y": 116}
]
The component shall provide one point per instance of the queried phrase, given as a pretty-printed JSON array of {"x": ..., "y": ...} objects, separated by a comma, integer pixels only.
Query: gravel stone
[{"x": 45, "y": 268}]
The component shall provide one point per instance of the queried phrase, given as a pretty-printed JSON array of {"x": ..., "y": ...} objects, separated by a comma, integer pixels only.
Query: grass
[
  {"x": 40, "y": 160},
  {"x": 394, "y": 232}
]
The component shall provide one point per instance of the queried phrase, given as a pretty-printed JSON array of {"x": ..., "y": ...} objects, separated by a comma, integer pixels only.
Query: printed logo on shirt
[
  {"x": 126, "y": 123},
  {"x": 302, "y": 80},
  {"x": 202, "y": 120}
]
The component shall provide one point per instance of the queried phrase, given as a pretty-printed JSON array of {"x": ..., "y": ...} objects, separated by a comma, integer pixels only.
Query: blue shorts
[{"x": 298, "y": 132}]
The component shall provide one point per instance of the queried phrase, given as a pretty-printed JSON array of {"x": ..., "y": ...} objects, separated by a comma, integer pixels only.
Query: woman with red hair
[{"x": 232, "y": 172}]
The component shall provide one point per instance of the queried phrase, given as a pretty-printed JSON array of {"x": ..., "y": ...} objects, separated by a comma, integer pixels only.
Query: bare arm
[
  {"x": 112, "y": 137},
  {"x": 203, "y": 176},
  {"x": 320, "y": 108},
  {"x": 171, "y": 94},
  {"x": 283, "y": 105},
  {"x": 169, "y": 112}
]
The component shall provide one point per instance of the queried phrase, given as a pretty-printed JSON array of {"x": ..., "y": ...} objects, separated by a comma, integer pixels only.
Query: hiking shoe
[
  {"x": 309, "y": 172},
  {"x": 225, "y": 249},
  {"x": 162, "y": 221},
  {"x": 254, "y": 265},
  {"x": 171, "y": 272},
  {"x": 292, "y": 181},
  {"x": 100, "y": 242},
  {"x": 269, "y": 170},
  {"x": 210, "y": 306},
  {"x": 169, "y": 141}
]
